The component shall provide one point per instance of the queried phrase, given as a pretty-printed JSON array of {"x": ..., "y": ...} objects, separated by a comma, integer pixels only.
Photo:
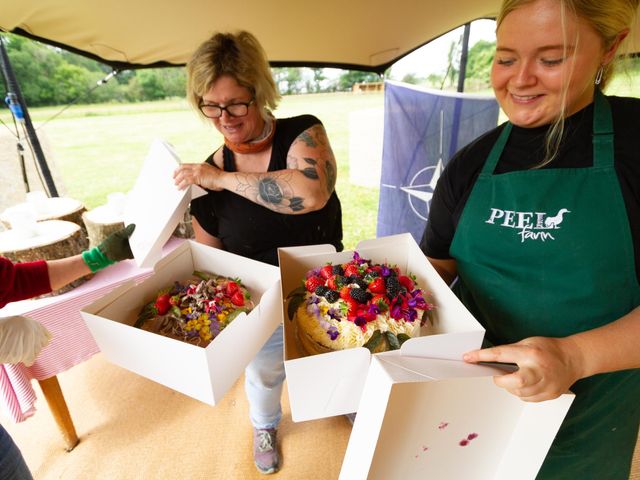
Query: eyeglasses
[{"x": 239, "y": 109}]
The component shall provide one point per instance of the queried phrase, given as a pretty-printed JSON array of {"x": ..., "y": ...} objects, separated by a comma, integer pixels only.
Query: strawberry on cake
[
  {"x": 195, "y": 310},
  {"x": 356, "y": 304}
]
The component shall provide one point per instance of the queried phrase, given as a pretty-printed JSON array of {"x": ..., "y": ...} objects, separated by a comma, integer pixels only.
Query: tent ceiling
[
  {"x": 364, "y": 34},
  {"x": 359, "y": 34}
]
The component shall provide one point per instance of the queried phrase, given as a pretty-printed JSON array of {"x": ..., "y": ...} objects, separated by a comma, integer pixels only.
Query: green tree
[
  {"x": 288, "y": 80},
  {"x": 479, "y": 61},
  {"x": 70, "y": 83},
  {"x": 318, "y": 78}
]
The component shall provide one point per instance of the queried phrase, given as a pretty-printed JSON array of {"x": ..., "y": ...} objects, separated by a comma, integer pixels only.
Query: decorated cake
[
  {"x": 356, "y": 304},
  {"x": 195, "y": 310}
]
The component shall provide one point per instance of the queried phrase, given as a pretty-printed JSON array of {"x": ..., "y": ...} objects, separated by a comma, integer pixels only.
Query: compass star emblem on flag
[{"x": 420, "y": 189}]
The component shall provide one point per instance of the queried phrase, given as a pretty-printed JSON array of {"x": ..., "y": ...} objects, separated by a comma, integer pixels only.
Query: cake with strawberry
[
  {"x": 195, "y": 310},
  {"x": 355, "y": 304}
]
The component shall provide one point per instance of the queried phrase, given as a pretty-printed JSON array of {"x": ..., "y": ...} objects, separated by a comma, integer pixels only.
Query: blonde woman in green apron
[{"x": 540, "y": 222}]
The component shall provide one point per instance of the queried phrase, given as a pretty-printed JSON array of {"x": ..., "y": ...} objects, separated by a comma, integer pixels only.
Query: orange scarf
[{"x": 254, "y": 146}]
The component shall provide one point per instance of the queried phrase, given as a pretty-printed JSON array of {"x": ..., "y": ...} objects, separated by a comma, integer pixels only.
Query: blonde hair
[
  {"x": 238, "y": 55},
  {"x": 608, "y": 19}
]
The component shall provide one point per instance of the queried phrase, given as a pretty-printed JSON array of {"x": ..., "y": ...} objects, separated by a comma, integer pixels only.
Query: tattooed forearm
[
  {"x": 269, "y": 191},
  {"x": 273, "y": 191}
]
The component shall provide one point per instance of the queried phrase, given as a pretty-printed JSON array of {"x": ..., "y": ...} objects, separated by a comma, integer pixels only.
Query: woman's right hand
[
  {"x": 21, "y": 339},
  {"x": 202, "y": 174}
]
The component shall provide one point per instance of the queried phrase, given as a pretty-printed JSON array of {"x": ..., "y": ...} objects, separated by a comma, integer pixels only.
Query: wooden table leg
[{"x": 53, "y": 394}]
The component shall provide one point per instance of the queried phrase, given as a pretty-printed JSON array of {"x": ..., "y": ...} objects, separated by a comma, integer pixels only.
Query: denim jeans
[
  {"x": 12, "y": 465},
  {"x": 263, "y": 382}
]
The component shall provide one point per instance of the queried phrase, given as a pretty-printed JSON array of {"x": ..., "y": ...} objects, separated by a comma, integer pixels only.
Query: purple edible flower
[
  {"x": 373, "y": 309},
  {"x": 333, "y": 333},
  {"x": 313, "y": 272},
  {"x": 396, "y": 312},
  {"x": 313, "y": 309},
  {"x": 386, "y": 271},
  {"x": 334, "y": 313},
  {"x": 360, "y": 321}
]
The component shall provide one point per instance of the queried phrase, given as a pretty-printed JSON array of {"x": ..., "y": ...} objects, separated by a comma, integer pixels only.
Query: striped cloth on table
[{"x": 72, "y": 342}]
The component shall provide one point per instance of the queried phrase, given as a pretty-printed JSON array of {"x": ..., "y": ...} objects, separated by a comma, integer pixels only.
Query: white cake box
[
  {"x": 443, "y": 419},
  {"x": 331, "y": 384},
  {"x": 156, "y": 207}
]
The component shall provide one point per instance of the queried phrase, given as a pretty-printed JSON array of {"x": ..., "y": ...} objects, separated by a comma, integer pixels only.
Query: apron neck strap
[
  {"x": 602, "y": 131},
  {"x": 602, "y": 136}
]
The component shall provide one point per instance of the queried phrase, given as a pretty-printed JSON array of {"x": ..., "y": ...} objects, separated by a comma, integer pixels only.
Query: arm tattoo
[
  {"x": 292, "y": 162},
  {"x": 309, "y": 140},
  {"x": 273, "y": 191},
  {"x": 330, "y": 172},
  {"x": 310, "y": 172}
]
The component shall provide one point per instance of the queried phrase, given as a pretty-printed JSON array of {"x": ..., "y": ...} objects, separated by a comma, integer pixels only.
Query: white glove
[{"x": 21, "y": 339}]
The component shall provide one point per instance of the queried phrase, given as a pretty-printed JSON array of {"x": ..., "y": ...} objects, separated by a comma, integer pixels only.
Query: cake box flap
[
  {"x": 428, "y": 418},
  {"x": 155, "y": 205}
]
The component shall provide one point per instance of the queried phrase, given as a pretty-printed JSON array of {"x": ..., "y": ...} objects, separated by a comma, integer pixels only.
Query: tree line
[{"x": 53, "y": 76}]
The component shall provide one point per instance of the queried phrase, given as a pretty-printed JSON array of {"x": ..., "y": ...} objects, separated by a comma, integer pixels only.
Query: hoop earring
[{"x": 599, "y": 74}]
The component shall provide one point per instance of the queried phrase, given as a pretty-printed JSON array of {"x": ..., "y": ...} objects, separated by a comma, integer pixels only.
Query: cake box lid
[{"x": 155, "y": 205}]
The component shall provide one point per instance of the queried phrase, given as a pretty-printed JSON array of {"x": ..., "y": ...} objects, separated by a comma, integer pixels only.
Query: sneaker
[{"x": 265, "y": 450}]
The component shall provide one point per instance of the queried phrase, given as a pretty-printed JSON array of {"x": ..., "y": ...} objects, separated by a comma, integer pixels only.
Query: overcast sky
[{"x": 432, "y": 58}]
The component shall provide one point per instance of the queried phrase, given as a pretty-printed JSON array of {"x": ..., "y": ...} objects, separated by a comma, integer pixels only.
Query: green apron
[{"x": 549, "y": 252}]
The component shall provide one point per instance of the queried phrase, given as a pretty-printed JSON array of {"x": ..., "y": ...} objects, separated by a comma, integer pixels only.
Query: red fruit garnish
[
  {"x": 326, "y": 271},
  {"x": 344, "y": 293},
  {"x": 377, "y": 285},
  {"x": 353, "y": 306},
  {"x": 351, "y": 270},
  {"x": 378, "y": 299},
  {"x": 162, "y": 304},
  {"x": 232, "y": 287},
  {"x": 312, "y": 283},
  {"x": 237, "y": 298},
  {"x": 331, "y": 283},
  {"x": 406, "y": 282}
]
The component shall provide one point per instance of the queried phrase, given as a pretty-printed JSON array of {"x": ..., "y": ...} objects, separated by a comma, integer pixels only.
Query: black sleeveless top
[{"x": 251, "y": 230}]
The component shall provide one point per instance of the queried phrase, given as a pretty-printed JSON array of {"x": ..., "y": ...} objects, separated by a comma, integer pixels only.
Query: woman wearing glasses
[{"x": 272, "y": 184}]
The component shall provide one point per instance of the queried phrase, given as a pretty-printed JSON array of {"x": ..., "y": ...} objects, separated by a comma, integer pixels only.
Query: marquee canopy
[{"x": 355, "y": 34}]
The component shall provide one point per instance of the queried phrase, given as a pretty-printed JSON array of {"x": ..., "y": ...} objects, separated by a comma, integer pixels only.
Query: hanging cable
[
  {"x": 18, "y": 118},
  {"x": 99, "y": 83}
]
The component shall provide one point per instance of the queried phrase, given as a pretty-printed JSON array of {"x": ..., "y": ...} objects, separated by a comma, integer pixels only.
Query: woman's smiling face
[
  {"x": 539, "y": 64},
  {"x": 226, "y": 91}
]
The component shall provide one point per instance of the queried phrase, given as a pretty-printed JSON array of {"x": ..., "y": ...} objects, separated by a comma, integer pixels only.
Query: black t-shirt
[
  {"x": 251, "y": 230},
  {"x": 525, "y": 149}
]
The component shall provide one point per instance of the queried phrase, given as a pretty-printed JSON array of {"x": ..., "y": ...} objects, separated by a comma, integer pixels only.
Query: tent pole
[
  {"x": 464, "y": 57},
  {"x": 14, "y": 88},
  {"x": 453, "y": 144}
]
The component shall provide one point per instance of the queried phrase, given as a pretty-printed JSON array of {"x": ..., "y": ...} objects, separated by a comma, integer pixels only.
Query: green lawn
[{"x": 99, "y": 149}]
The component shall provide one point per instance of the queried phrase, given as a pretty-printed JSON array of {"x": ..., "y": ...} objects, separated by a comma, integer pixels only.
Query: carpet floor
[{"x": 131, "y": 428}]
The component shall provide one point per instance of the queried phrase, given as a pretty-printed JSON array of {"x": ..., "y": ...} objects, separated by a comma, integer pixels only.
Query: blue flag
[{"x": 423, "y": 129}]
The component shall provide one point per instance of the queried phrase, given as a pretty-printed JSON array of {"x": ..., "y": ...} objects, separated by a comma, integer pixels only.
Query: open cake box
[
  {"x": 422, "y": 411},
  {"x": 156, "y": 206},
  {"x": 331, "y": 384}
]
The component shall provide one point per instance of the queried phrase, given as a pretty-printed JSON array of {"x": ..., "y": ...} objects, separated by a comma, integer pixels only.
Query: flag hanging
[{"x": 422, "y": 130}]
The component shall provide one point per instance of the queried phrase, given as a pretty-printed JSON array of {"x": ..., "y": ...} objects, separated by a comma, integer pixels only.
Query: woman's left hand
[
  {"x": 202, "y": 174},
  {"x": 547, "y": 367}
]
